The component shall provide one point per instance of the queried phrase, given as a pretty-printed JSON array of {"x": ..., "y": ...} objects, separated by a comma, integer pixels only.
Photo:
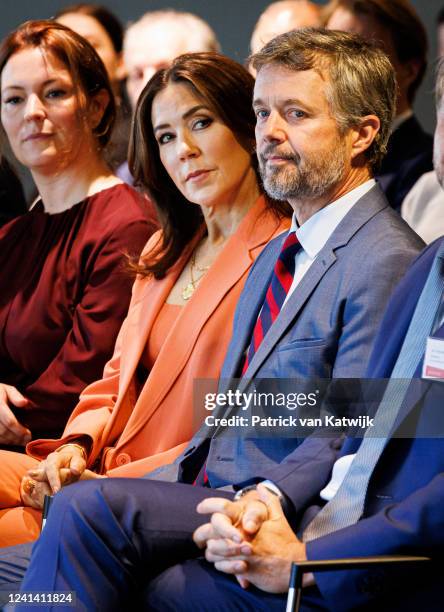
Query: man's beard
[{"x": 307, "y": 179}]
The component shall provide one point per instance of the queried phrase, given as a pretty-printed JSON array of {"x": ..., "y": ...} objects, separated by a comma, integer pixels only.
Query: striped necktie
[{"x": 277, "y": 291}]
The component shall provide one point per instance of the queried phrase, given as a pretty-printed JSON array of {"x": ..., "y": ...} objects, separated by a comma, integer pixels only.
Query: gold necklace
[{"x": 188, "y": 290}]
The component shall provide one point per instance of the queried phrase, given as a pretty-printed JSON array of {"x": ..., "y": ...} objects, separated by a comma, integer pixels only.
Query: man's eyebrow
[{"x": 260, "y": 102}]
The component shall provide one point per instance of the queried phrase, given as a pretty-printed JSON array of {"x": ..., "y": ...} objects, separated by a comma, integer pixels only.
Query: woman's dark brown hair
[
  {"x": 84, "y": 65},
  {"x": 227, "y": 88}
]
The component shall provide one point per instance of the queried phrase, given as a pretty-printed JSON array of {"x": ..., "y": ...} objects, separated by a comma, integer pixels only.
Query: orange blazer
[{"x": 132, "y": 435}]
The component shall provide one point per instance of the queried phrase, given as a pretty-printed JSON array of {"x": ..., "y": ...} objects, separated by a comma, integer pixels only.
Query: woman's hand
[
  {"x": 11, "y": 431},
  {"x": 64, "y": 466},
  {"x": 33, "y": 492}
]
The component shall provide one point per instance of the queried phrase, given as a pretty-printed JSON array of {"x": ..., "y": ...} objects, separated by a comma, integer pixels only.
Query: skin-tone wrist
[
  {"x": 83, "y": 444},
  {"x": 63, "y": 466},
  {"x": 72, "y": 446}
]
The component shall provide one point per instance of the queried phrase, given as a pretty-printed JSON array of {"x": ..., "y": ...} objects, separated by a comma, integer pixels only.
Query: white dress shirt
[
  {"x": 423, "y": 207},
  {"x": 315, "y": 232}
]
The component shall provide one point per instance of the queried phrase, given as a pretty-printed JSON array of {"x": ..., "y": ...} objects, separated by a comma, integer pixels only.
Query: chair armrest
[{"x": 300, "y": 568}]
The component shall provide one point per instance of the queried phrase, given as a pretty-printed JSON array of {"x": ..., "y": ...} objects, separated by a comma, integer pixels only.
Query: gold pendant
[{"x": 188, "y": 291}]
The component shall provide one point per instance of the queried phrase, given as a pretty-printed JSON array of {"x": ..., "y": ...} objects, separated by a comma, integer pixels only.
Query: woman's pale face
[
  {"x": 200, "y": 153},
  {"x": 40, "y": 112},
  {"x": 93, "y": 31}
]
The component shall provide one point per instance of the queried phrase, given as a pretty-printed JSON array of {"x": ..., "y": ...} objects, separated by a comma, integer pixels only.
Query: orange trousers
[{"x": 18, "y": 524}]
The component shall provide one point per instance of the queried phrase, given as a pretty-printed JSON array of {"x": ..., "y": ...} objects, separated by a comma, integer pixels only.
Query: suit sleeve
[
  {"x": 364, "y": 308},
  {"x": 415, "y": 525}
]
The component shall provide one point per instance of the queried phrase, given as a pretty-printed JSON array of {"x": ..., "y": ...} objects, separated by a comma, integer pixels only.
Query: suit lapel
[
  {"x": 249, "y": 306},
  {"x": 416, "y": 391}
]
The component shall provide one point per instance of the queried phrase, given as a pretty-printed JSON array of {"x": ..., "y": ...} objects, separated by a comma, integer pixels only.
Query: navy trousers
[
  {"x": 195, "y": 586},
  {"x": 127, "y": 544},
  {"x": 14, "y": 561},
  {"x": 106, "y": 539}
]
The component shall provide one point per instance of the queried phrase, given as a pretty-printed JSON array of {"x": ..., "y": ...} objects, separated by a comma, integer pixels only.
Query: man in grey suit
[{"x": 324, "y": 102}]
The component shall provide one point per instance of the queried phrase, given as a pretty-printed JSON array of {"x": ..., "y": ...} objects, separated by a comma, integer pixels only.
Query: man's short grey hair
[
  {"x": 193, "y": 25},
  {"x": 361, "y": 78}
]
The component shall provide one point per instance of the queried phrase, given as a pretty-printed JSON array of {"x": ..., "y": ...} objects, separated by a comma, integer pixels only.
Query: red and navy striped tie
[{"x": 280, "y": 284}]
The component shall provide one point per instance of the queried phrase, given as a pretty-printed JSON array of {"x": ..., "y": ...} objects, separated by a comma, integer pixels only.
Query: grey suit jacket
[{"x": 325, "y": 330}]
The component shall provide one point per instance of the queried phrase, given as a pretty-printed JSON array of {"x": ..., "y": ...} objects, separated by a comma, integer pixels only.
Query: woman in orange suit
[{"x": 192, "y": 148}]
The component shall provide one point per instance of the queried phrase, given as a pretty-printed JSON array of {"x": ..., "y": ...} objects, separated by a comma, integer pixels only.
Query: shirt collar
[{"x": 315, "y": 232}]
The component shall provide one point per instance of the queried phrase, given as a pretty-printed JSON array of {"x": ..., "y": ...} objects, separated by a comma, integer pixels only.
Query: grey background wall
[{"x": 232, "y": 20}]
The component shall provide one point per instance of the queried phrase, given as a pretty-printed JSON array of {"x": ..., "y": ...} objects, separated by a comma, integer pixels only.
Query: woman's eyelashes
[
  {"x": 12, "y": 100},
  {"x": 202, "y": 123},
  {"x": 164, "y": 138},
  {"x": 56, "y": 93},
  {"x": 196, "y": 125},
  {"x": 52, "y": 94}
]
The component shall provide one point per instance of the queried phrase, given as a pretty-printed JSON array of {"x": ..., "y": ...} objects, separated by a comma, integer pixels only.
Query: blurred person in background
[
  {"x": 64, "y": 292},
  {"x": 103, "y": 30},
  {"x": 193, "y": 149},
  {"x": 283, "y": 16},
  {"x": 152, "y": 42},
  {"x": 396, "y": 26},
  {"x": 423, "y": 206}
]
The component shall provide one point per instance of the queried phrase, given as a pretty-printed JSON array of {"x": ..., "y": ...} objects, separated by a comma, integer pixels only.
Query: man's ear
[
  {"x": 97, "y": 107},
  {"x": 364, "y": 134}
]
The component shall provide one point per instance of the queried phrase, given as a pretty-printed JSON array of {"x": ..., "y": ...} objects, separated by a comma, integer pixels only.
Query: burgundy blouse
[{"x": 64, "y": 292}]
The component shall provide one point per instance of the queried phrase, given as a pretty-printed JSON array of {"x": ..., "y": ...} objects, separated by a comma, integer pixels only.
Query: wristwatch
[{"x": 268, "y": 484}]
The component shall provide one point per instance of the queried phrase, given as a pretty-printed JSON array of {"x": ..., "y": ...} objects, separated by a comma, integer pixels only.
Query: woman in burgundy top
[{"x": 64, "y": 291}]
